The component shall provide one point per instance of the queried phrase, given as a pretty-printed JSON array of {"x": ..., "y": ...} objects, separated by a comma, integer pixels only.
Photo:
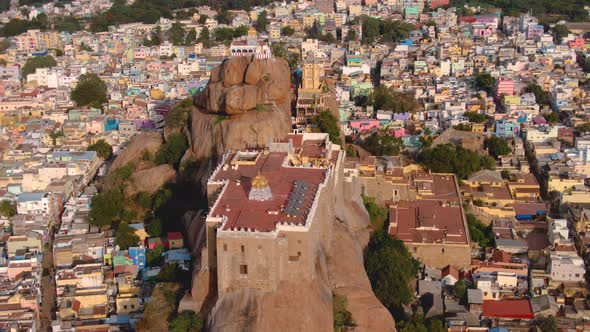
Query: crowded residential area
[{"x": 138, "y": 139}]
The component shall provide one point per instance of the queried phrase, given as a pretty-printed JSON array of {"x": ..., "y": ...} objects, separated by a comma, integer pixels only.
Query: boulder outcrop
[
  {"x": 147, "y": 141},
  {"x": 246, "y": 103},
  {"x": 150, "y": 179}
]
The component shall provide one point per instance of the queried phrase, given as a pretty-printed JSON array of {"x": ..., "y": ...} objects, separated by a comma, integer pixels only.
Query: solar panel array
[{"x": 296, "y": 198}]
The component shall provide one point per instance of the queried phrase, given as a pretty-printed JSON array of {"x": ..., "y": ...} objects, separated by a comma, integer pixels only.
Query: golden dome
[{"x": 259, "y": 182}]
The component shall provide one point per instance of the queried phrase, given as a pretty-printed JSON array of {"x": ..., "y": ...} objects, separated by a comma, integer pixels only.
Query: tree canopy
[
  {"x": 125, "y": 236},
  {"x": 262, "y": 21},
  {"x": 551, "y": 117},
  {"x": 186, "y": 321},
  {"x": 448, "y": 158},
  {"x": 90, "y": 90},
  {"x": 38, "y": 62},
  {"x": 485, "y": 82},
  {"x": 382, "y": 145},
  {"x": 541, "y": 96},
  {"x": 326, "y": 122},
  {"x": 545, "y": 10},
  {"x": 390, "y": 268},
  {"x": 559, "y": 31},
  {"x": 7, "y": 209},
  {"x": 497, "y": 146},
  {"x": 475, "y": 117},
  {"x": 377, "y": 30},
  {"x": 384, "y": 98},
  {"x": 103, "y": 149},
  {"x": 172, "y": 150},
  {"x": 418, "y": 323},
  {"x": 480, "y": 233}
]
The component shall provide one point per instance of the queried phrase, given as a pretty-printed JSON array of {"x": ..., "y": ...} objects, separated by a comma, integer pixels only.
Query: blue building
[
  {"x": 138, "y": 256},
  {"x": 507, "y": 129}
]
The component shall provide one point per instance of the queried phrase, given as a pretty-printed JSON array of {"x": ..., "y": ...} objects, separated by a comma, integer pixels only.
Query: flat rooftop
[
  {"x": 244, "y": 213},
  {"x": 427, "y": 221}
]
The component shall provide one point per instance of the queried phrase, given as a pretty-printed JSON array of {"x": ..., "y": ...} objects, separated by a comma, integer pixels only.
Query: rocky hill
[{"x": 247, "y": 103}]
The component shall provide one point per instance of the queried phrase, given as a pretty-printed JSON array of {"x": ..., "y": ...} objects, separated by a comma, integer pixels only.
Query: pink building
[
  {"x": 438, "y": 3},
  {"x": 364, "y": 125},
  {"x": 399, "y": 133},
  {"x": 505, "y": 86},
  {"x": 578, "y": 43}
]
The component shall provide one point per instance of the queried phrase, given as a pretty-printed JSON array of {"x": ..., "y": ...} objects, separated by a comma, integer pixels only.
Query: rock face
[
  {"x": 246, "y": 103},
  {"x": 242, "y": 84},
  {"x": 148, "y": 141},
  {"x": 150, "y": 179}
]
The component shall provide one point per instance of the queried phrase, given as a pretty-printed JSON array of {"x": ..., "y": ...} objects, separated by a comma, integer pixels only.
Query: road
[{"x": 48, "y": 294}]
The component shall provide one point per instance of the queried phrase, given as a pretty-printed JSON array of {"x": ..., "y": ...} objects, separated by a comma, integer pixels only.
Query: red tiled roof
[
  {"x": 249, "y": 214},
  {"x": 529, "y": 208},
  {"x": 174, "y": 236},
  {"x": 427, "y": 221},
  {"x": 515, "y": 309},
  {"x": 450, "y": 270}
]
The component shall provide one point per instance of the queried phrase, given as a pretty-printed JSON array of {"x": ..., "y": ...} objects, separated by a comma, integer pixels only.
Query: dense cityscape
[{"x": 312, "y": 165}]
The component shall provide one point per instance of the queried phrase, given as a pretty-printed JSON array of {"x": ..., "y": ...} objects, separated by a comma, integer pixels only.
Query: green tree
[
  {"x": 186, "y": 321},
  {"x": 224, "y": 17},
  {"x": 67, "y": 24},
  {"x": 55, "y": 134},
  {"x": 559, "y": 31},
  {"x": 480, "y": 233},
  {"x": 475, "y": 117},
  {"x": 86, "y": 48},
  {"x": 377, "y": 214},
  {"x": 38, "y": 62},
  {"x": 548, "y": 324},
  {"x": 103, "y": 149},
  {"x": 384, "y": 98},
  {"x": 583, "y": 127},
  {"x": 541, "y": 96},
  {"x": 191, "y": 37},
  {"x": 287, "y": 31},
  {"x": 90, "y": 90},
  {"x": 417, "y": 323},
  {"x": 4, "y": 45},
  {"x": 485, "y": 82},
  {"x": 7, "y": 209},
  {"x": 177, "y": 34},
  {"x": 551, "y": 117},
  {"x": 204, "y": 36},
  {"x": 125, "y": 236},
  {"x": 448, "y": 158},
  {"x": 203, "y": 19},
  {"x": 382, "y": 145},
  {"x": 342, "y": 317},
  {"x": 262, "y": 21},
  {"x": 326, "y": 122},
  {"x": 460, "y": 291},
  {"x": 143, "y": 199},
  {"x": 462, "y": 127},
  {"x": 154, "y": 228},
  {"x": 390, "y": 268},
  {"x": 172, "y": 150},
  {"x": 497, "y": 146},
  {"x": 154, "y": 256},
  {"x": 106, "y": 208}
]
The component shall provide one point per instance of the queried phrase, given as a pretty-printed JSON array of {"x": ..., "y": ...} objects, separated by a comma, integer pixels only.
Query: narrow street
[{"x": 47, "y": 313}]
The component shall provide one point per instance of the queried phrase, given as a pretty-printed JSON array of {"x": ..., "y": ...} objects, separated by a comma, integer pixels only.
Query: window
[
  {"x": 225, "y": 247},
  {"x": 242, "y": 248},
  {"x": 243, "y": 269}
]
